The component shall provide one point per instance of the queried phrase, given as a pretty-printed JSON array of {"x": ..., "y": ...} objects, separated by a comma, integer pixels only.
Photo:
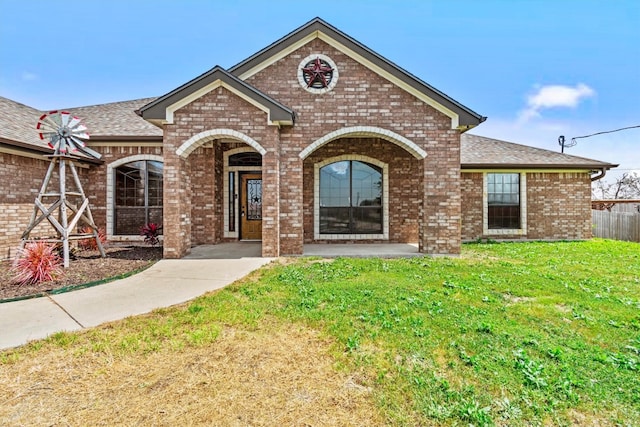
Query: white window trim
[
  {"x": 111, "y": 167},
  {"x": 385, "y": 200},
  {"x": 523, "y": 209},
  {"x": 236, "y": 190}
]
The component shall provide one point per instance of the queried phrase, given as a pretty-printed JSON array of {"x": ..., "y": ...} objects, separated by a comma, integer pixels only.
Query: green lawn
[{"x": 507, "y": 334}]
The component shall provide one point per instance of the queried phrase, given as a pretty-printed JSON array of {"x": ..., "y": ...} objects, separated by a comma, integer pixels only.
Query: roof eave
[
  {"x": 156, "y": 111},
  {"x": 606, "y": 166}
]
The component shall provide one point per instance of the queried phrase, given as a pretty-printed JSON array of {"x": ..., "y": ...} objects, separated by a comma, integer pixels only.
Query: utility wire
[{"x": 607, "y": 131}]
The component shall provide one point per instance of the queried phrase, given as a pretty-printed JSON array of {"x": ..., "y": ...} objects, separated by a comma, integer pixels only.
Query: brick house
[{"x": 314, "y": 139}]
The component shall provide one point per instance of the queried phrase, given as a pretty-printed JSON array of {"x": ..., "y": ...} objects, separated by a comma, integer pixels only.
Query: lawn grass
[{"x": 507, "y": 334}]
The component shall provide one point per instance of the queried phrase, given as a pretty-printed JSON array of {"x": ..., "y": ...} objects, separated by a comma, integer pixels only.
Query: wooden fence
[{"x": 616, "y": 225}]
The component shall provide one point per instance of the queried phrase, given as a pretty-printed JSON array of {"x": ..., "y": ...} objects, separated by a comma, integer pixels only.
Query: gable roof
[
  {"x": 463, "y": 117},
  {"x": 479, "y": 152},
  {"x": 161, "y": 110}
]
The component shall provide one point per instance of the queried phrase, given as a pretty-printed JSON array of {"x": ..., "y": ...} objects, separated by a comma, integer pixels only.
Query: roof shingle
[{"x": 481, "y": 152}]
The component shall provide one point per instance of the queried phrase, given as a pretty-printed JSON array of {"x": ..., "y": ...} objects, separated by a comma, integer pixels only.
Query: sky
[{"x": 536, "y": 69}]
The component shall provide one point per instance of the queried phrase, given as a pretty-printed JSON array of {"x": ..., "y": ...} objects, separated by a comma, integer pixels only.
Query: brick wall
[
  {"x": 558, "y": 206},
  {"x": 193, "y": 186},
  {"x": 22, "y": 178},
  {"x": 363, "y": 98},
  {"x": 405, "y": 182}
]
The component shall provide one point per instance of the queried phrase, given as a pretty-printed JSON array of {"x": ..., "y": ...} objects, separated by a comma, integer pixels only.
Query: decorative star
[{"x": 316, "y": 71}]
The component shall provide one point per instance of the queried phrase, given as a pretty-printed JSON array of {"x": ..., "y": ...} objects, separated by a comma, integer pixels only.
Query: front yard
[{"x": 507, "y": 334}]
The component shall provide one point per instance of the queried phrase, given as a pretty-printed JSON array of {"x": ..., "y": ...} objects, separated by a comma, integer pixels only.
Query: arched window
[
  {"x": 138, "y": 196},
  {"x": 351, "y": 198}
]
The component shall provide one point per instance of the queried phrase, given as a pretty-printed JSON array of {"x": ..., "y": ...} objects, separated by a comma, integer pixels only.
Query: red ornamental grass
[
  {"x": 90, "y": 243},
  {"x": 37, "y": 262},
  {"x": 151, "y": 232}
]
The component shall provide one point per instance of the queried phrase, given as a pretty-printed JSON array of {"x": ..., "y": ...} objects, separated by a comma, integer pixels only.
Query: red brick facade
[
  {"x": 558, "y": 206},
  {"x": 375, "y": 111}
]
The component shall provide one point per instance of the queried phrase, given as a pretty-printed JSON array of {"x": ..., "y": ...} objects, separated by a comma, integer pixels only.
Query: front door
[{"x": 251, "y": 207}]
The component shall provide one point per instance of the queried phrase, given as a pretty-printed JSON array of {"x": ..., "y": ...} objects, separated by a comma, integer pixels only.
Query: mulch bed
[{"x": 87, "y": 267}]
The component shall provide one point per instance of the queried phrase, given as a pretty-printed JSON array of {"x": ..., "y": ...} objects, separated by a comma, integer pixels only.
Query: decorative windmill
[{"x": 66, "y": 207}]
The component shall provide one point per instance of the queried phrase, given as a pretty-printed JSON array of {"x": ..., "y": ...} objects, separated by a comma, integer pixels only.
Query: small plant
[
  {"x": 151, "y": 232},
  {"x": 90, "y": 242},
  {"x": 37, "y": 262}
]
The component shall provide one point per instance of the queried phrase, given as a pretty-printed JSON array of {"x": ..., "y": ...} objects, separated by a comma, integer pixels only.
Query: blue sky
[{"x": 537, "y": 69}]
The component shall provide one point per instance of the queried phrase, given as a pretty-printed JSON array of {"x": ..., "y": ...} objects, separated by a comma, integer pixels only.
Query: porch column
[
  {"x": 271, "y": 203},
  {"x": 440, "y": 219},
  {"x": 177, "y": 200},
  {"x": 291, "y": 201}
]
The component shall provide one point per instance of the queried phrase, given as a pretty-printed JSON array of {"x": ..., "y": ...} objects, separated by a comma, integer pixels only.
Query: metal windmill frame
[{"x": 62, "y": 207}]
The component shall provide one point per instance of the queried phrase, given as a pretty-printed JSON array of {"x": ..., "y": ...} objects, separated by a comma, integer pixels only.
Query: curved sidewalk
[{"x": 166, "y": 283}]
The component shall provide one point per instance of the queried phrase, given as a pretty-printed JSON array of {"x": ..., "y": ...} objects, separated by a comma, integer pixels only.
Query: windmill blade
[
  {"x": 64, "y": 133},
  {"x": 74, "y": 122},
  {"x": 64, "y": 118}
]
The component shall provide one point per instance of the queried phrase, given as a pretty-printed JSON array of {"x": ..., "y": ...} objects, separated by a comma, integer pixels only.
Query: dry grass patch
[{"x": 256, "y": 377}]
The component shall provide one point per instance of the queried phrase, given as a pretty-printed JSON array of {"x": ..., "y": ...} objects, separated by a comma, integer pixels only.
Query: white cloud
[
  {"x": 553, "y": 96},
  {"x": 28, "y": 76}
]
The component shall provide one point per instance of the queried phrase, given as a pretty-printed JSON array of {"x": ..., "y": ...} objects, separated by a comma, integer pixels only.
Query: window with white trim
[
  {"x": 138, "y": 196},
  {"x": 351, "y": 198},
  {"x": 503, "y": 200},
  {"x": 504, "y": 203}
]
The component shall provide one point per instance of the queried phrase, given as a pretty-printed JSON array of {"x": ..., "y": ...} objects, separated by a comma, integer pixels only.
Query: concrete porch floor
[{"x": 237, "y": 250}]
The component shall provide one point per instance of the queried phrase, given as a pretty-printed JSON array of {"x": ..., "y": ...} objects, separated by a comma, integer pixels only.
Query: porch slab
[
  {"x": 377, "y": 250},
  {"x": 233, "y": 250}
]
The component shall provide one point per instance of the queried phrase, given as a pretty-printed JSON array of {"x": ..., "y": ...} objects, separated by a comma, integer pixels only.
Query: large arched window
[
  {"x": 351, "y": 198},
  {"x": 138, "y": 196}
]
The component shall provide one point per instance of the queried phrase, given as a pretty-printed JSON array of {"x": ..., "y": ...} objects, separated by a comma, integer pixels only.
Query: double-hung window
[{"x": 504, "y": 202}]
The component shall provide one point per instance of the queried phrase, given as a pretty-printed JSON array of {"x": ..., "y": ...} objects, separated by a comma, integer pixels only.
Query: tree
[{"x": 627, "y": 186}]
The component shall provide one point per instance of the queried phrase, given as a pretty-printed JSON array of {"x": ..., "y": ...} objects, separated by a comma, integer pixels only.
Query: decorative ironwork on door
[{"x": 254, "y": 199}]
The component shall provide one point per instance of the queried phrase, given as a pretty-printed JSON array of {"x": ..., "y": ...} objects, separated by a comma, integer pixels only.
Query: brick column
[
  {"x": 291, "y": 203},
  {"x": 271, "y": 197},
  {"x": 177, "y": 200},
  {"x": 440, "y": 219}
]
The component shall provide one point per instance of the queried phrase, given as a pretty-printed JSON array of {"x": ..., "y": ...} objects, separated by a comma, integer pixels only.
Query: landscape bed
[{"x": 510, "y": 334}]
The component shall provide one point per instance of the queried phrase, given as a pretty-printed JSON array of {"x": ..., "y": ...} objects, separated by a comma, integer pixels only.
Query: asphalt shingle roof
[
  {"x": 118, "y": 120},
  {"x": 18, "y": 122},
  {"x": 482, "y": 152}
]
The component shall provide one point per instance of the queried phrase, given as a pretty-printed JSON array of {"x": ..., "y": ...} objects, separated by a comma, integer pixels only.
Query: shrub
[
  {"x": 151, "y": 232},
  {"x": 90, "y": 243},
  {"x": 37, "y": 262}
]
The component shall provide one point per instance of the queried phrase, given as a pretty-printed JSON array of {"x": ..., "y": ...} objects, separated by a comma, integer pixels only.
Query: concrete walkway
[{"x": 166, "y": 283}]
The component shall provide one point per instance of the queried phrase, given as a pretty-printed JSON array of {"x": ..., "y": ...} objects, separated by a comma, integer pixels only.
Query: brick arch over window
[
  {"x": 203, "y": 137},
  {"x": 111, "y": 167},
  {"x": 366, "y": 131}
]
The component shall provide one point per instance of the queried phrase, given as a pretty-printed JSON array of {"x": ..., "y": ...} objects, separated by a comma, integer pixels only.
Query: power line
[
  {"x": 563, "y": 143},
  {"x": 606, "y": 131}
]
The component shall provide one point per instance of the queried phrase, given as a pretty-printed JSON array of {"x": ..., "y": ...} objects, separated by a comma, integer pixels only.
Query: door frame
[
  {"x": 242, "y": 195},
  {"x": 231, "y": 196}
]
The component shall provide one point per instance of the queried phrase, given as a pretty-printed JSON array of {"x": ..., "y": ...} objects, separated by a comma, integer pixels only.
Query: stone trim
[
  {"x": 225, "y": 189},
  {"x": 385, "y": 200},
  {"x": 522, "y": 231},
  {"x": 334, "y": 79},
  {"x": 366, "y": 131},
  {"x": 111, "y": 167},
  {"x": 203, "y": 137}
]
